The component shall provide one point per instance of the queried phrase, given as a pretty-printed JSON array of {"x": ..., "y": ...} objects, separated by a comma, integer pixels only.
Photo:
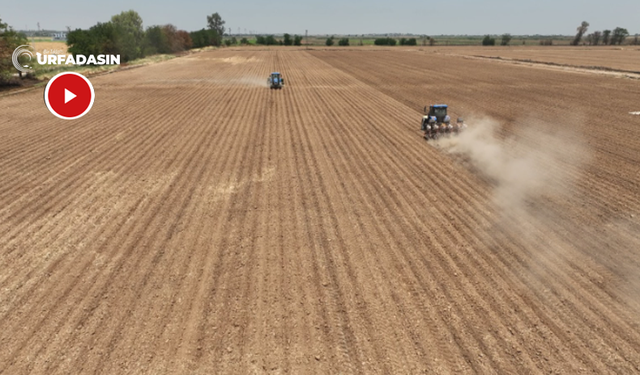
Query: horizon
[{"x": 461, "y": 17}]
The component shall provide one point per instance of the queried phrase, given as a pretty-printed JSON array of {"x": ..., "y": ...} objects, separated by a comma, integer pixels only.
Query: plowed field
[
  {"x": 619, "y": 58},
  {"x": 196, "y": 222}
]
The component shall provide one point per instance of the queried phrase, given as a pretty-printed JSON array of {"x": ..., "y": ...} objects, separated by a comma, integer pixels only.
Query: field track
[{"x": 197, "y": 222}]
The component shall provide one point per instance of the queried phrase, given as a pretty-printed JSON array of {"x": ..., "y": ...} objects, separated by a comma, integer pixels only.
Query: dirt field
[
  {"x": 51, "y": 48},
  {"x": 625, "y": 58},
  {"x": 197, "y": 222}
]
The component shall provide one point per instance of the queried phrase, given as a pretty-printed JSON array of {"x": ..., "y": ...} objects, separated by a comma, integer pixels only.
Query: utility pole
[{"x": 306, "y": 38}]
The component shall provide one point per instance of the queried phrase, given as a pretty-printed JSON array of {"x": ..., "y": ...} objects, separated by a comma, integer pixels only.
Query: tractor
[
  {"x": 436, "y": 122},
  {"x": 275, "y": 81}
]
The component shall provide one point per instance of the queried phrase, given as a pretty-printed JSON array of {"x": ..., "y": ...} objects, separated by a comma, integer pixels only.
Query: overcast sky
[{"x": 340, "y": 16}]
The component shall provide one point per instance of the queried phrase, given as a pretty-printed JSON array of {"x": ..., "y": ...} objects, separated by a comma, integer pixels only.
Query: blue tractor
[
  {"x": 436, "y": 122},
  {"x": 275, "y": 81}
]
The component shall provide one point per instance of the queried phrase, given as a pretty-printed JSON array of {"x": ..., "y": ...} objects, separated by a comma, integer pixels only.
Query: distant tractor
[
  {"x": 275, "y": 81},
  {"x": 436, "y": 122}
]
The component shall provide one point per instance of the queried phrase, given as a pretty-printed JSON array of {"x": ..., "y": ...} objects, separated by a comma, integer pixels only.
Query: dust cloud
[
  {"x": 533, "y": 174},
  {"x": 532, "y": 163}
]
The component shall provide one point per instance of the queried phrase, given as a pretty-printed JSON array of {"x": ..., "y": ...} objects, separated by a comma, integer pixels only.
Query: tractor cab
[
  {"x": 439, "y": 112},
  {"x": 275, "y": 80},
  {"x": 436, "y": 115}
]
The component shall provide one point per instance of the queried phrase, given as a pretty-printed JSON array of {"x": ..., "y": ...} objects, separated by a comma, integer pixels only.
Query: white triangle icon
[{"x": 68, "y": 95}]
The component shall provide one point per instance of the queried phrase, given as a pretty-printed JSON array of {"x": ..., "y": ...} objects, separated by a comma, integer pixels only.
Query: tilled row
[{"x": 216, "y": 226}]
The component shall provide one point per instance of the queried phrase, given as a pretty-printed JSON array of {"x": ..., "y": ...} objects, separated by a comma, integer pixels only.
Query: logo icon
[
  {"x": 22, "y": 52},
  {"x": 69, "y": 95}
]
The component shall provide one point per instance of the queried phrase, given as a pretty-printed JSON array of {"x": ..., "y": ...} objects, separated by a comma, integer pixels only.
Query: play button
[{"x": 69, "y": 95}]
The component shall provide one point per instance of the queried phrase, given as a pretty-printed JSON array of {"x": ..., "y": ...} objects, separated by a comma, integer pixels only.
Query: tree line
[
  {"x": 606, "y": 37},
  {"x": 378, "y": 41},
  {"x": 125, "y": 36},
  {"x": 270, "y": 40}
]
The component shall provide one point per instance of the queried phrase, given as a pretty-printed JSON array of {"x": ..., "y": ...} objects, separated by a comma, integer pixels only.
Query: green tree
[
  {"x": 216, "y": 23},
  {"x": 270, "y": 40},
  {"x": 606, "y": 36},
  {"x": 9, "y": 41},
  {"x": 244, "y": 41},
  {"x": 385, "y": 42},
  {"x": 287, "y": 40},
  {"x": 297, "y": 40},
  {"x": 506, "y": 39},
  {"x": 156, "y": 41},
  {"x": 594, "y": 37},
  {"x": 343, "y": 42},
  {"x": 619, "y": 35},
  {"x": 581, "y": 30},
  {"x": 329, "y": 41},
  {"x": 165, "y": 39},
  {"x": 488, "y": 41},
  {"x": 128, "y": 34},
  {"x": 204, "y": 38},
  {"x": 99, "y": 39}
]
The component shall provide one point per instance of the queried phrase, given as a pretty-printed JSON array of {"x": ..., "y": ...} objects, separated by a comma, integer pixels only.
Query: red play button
[{"x": 69, "y": 95}]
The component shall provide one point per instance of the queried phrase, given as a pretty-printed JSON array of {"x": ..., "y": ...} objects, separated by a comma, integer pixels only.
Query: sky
[{"x": 422, "y": 17}]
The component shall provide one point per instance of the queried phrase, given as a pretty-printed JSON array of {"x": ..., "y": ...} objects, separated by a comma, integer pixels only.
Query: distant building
[{"x": 59, "y": 36}]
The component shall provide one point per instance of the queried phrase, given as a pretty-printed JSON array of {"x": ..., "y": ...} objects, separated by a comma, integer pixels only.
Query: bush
[
  {"x": 488, "y": 41},
  {"x": 329, "y": 41},
  {"x": 408, "y": 42},
  {"x": 546, "y": 42},
  {"x": 269, "y": 40},
  {"x": 385, "y": 42},
  {"x": 297, "y": 40},
  {"x": 343, "y": 42},
  {"x": 244, "y": 41},
  {"x": 184, "y": 39},
  {"x": 9, "y": 41},
  {"x": 506, "y": 39}
]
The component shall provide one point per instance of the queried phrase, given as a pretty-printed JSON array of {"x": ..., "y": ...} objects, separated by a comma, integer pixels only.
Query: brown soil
[{"x": 197, "y": 222}]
